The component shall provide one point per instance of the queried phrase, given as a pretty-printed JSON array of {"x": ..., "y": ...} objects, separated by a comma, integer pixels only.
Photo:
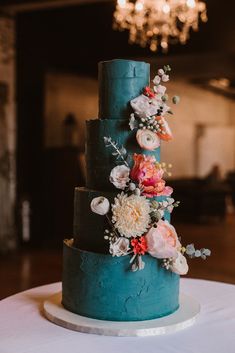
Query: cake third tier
[
  {"x": 88, "y": 227},
  {"x": 99, "y": 159}
]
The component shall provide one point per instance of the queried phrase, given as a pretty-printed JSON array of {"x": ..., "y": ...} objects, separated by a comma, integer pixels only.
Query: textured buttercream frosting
[
  {"x": 103, "y": 287},
  {"x": 119, "y": 82},
  {"x": 95, "y": 284}
]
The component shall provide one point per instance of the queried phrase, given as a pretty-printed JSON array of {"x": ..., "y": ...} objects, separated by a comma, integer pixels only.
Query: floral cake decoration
[
  {"x": 136, "y": 218},
  {"x": 149, "y": 111}
]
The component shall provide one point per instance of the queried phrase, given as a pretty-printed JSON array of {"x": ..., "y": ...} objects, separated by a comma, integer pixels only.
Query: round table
[{"x": 24, "y": 328}]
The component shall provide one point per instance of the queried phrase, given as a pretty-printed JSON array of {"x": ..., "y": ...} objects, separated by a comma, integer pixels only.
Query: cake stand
[{"x": 184, "y": 317}]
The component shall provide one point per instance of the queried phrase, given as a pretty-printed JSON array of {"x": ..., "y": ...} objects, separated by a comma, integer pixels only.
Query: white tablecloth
[{"x": 24, "y": 329}]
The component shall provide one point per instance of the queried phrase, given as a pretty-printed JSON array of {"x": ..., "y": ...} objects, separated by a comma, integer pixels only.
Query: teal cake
[{"x": 98, "y": 282}]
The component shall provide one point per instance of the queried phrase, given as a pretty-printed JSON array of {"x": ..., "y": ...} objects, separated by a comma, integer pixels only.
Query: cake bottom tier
[{"x": 103, "y": 287}]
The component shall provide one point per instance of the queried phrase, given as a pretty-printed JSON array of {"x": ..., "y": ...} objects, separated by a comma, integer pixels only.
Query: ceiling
[
  {"x": 82, "y": 30},
  {"x": 34, "y": 5},
  {"x": 217, "y": 34}
]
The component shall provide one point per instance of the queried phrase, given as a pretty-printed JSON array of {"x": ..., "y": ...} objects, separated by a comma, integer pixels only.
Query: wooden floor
[{"x": 29, "y": 268}]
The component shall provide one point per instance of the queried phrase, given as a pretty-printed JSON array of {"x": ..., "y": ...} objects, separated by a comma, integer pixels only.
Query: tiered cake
[{"x": 98, "y": 280}]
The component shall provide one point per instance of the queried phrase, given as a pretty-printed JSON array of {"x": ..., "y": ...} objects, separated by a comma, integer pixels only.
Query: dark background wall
[{"x": 74, "y": 39}]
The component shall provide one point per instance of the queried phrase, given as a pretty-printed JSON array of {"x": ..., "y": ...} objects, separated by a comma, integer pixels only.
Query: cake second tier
[{"x": 99, "y": 158}]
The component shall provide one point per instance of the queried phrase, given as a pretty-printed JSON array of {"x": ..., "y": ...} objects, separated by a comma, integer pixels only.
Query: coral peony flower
[
  {"x": 139, "y": 245},
  {"x": 163, "y": 241},
  {"x": 131, "y": 215},
  {"x": 149, "y": 176},
  {"x": 133, "y": 122},
  {"x": 144, "y": 167}
]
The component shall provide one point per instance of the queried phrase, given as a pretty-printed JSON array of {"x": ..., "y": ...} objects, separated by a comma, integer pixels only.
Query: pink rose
[{"x": 163, "y": 241}]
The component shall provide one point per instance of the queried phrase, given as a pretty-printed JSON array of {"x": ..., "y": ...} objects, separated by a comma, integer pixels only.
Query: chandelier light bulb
[
  {"x": 159, "y": 22},
  {"x": 166, "y": 8},
  {"x": 191, "y": 3},
  {"x": 139, "y": 6},
  {"x": 122, "y": 3}
]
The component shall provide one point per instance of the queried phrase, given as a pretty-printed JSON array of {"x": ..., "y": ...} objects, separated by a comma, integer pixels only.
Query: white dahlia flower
[{"x": 131, "y": 215}]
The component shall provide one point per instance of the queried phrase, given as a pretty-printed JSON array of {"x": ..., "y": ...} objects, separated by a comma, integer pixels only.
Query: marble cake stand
[{"x": 184, "y": 317}]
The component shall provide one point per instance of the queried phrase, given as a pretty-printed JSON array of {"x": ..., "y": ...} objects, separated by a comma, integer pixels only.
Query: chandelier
[{"x": 159, "y": 22}]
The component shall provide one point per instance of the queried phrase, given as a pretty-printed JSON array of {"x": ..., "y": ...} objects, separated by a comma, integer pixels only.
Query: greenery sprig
[
  {"x": 195, "y": 253},
  {"x": 119, "y": 152}
]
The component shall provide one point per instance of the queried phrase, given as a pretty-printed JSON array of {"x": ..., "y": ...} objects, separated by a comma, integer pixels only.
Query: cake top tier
[{"x": 119, "y": 82}]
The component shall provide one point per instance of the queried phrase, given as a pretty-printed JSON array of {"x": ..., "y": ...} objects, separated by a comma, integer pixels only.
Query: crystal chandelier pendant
[{"x": 159, "y": 22}]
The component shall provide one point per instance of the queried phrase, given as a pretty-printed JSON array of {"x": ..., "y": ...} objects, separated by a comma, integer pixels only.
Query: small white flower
[
  {"x": 164, "y": 203},
  {"x": 132, "y": 186},
  {"x": 119, "y": 176},
  {"x": 170, "y": 208},
  {"x": 100, "y": 205},
  {"x": 170, "y": 200},
  {"x": 157, "y": 80},
  {"x": 170, "y": 205},
  {"x": 165, "y": 78},
  {"x": 147, "y": 139},
  {"x": 161, "y": 72},
  {"x": 120, "y": 247},
  {"x": 160, "y": 90},
  {"x": 133, "y": 123},
  {"x": 179, "y": 265}
]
